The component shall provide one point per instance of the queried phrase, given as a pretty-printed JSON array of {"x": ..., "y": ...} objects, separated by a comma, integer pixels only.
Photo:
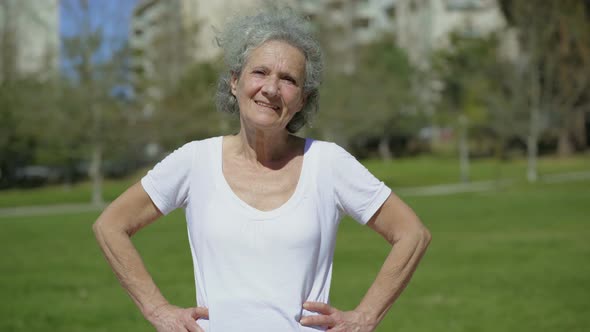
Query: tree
[
  {"x": 554, "y": 40},
  {"x": 385, "y": 85},
  {"x": 340, "y": 54},
  {"x": 187, "y": 110},
  {"x": 175, "y": 93},
  {"x": 95, "y": 55},
  {"x": 568, "y": 72},
  {"x": 19, "y": 120},
  {"x": 26, "y": 90},
  {"x": 464, "y": 69},
  {"x": 375, "y": 100}
]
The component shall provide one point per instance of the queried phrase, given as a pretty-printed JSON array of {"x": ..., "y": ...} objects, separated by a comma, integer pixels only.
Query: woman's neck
[{"x": 266, "y": 148}]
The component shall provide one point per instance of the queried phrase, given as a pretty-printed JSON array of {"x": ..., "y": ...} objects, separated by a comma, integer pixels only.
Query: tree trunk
[
  {"x": 463, "y": 149},
  {"x": 532, "y": 146},
  {"x": 96, "y": 175},
  {"x": 535, "y": 105},
  {"x": 96, "y": 162},
  {"x": 565, "y": 147},
  {"x": 579, "y": 131},
  {"x": 384, "y": 149}
]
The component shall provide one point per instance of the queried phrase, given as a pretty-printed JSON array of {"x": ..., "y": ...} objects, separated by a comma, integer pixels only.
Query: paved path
[
  {"x": 454, "y": 188},
  {"x": 435, "y": 190},
  {"x": 42, "y": 210}
]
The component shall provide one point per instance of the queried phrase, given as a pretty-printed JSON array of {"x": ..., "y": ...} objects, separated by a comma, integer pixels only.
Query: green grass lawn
[
  {"x": 428, "y": 170},
  {"x": 508, "y": 260},
  {"x": 61, "y": 194},
  {"x": 408, "y": 172}
]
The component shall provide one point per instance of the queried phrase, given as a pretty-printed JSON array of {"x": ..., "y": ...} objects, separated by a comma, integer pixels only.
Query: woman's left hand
[{"x": 337, "y": 321}]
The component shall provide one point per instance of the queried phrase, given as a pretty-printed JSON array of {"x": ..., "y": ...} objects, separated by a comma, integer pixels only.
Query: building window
[
  {"x": 361, "y": 4},
  {"x": 413, "y": 6},
  {"x": 336, "y": 5},
  {"x": 390, "y": 12},
  {"x": 361, "y": 22},
  {"x": 469, "y": 30},
  {"x": 464, "y": 4}
]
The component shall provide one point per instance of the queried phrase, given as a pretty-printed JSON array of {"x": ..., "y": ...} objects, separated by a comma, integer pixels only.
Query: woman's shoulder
[
  {"x": 325, "y": 148},
  {"x": 319, "y": 143},
  {"x": 193, "y": 148},
  {"x": 207, "y": 141},
  {"x": 201, "y": 143}
]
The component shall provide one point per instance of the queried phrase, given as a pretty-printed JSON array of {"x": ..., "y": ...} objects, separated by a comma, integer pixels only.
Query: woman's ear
[
  {"x": 233, "y": 81},
  {"x": 303, "y": 101}
]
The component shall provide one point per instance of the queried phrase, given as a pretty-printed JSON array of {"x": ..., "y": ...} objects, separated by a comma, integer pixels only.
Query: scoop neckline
[{"x": 253, "y": 212}]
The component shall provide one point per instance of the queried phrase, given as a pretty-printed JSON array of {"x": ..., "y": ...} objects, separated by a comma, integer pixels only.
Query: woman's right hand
[{"x": 170, "y": 318}]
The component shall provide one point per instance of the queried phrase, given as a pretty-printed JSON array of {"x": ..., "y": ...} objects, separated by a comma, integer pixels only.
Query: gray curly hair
[{"x": 243, "y": 34}]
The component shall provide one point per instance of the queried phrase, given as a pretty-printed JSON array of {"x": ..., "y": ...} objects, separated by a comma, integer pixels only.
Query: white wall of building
[
  {"x": 35, "y": 25},
  {"x": 425, "y": 25}
]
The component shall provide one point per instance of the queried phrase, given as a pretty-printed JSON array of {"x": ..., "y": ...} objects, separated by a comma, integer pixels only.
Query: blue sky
[{"x": 111, "y": 17}]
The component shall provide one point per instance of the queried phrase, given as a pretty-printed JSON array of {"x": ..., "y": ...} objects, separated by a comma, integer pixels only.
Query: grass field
[
  {"x": 515, "y": 259},
  {"x": 410, "y": 172},
  {"x": 424, "y": 171}
]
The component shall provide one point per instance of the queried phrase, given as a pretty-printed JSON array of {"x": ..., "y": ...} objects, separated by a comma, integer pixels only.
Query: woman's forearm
[
  {"x": 395, "y": 274},
  {"x": 128, "y": 266},
  {"x": 129, "y": 213},
  {"x": 129, "y": 269}
]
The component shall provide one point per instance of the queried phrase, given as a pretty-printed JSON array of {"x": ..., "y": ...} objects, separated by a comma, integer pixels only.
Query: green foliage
[
  {"x": 463, "y": 69},
  {"x": 554, "y": 41},
  {"x": 188, "y": 110},
  {"x": 385, "y": 78},
  {"x": 482, "y": 86},
  {"x": 25, "y": 106},
  {"x": 376, "y": 99}
]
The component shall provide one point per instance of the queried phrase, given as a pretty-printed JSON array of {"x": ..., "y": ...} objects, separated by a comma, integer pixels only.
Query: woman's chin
[
  {"x": 264, "y": 112},
  {"x": 266, "y": 125},
  {"x": 264, "y": 120}
]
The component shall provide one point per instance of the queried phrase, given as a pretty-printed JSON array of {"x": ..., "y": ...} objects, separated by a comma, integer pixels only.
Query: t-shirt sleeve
[
  {"x": 168, "y": 183},
  {"x": 357, "y": 192}
]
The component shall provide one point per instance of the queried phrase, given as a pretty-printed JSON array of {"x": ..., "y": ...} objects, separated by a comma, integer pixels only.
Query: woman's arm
[
  {"x": 400, "y": 226},
  {"x": 129, "y": 213}
]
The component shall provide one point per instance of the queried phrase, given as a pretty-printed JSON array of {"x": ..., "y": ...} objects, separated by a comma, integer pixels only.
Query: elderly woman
[{"x": 263, "y": 206}]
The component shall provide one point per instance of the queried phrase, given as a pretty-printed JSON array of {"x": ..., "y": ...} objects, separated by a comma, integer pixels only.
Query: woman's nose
[{"x": 270, "y": 87}]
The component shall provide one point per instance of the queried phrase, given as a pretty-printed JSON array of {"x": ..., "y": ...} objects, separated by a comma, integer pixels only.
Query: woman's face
[{"x": 270, "y": 87}]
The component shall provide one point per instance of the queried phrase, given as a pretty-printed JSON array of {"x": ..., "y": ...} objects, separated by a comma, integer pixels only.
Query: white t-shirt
[{"x": 254, "y": 269}]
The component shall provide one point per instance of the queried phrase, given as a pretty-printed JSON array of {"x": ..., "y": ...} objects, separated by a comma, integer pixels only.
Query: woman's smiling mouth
[{"x": 267, "y": 105}]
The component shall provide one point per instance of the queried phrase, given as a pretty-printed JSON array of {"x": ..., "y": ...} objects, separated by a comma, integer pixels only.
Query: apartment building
[
  {"x": 166, "y": 36},
  {"x": 29, "y": 38},
  {"x": 425, "y": 25},
  {"x": 418, "y": 26},
  {"x": 157, "y": 45},
  {"x": 345, "y": 25},
  {"x": 368, "y": 19}
]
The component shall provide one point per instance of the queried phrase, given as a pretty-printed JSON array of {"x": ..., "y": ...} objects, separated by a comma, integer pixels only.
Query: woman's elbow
[
  {"x": 98, "y": 228},
  {"x": 105, "y": 225},
  {"x": 95, "y": 227},
  {"x": 421, "y": 235},
  {"x": 426, "y": 236}
]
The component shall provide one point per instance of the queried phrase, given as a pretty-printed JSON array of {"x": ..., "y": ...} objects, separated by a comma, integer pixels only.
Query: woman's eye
[
  {"x": 290, "y": 80},
  {"x": 258, "y": 72}
]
